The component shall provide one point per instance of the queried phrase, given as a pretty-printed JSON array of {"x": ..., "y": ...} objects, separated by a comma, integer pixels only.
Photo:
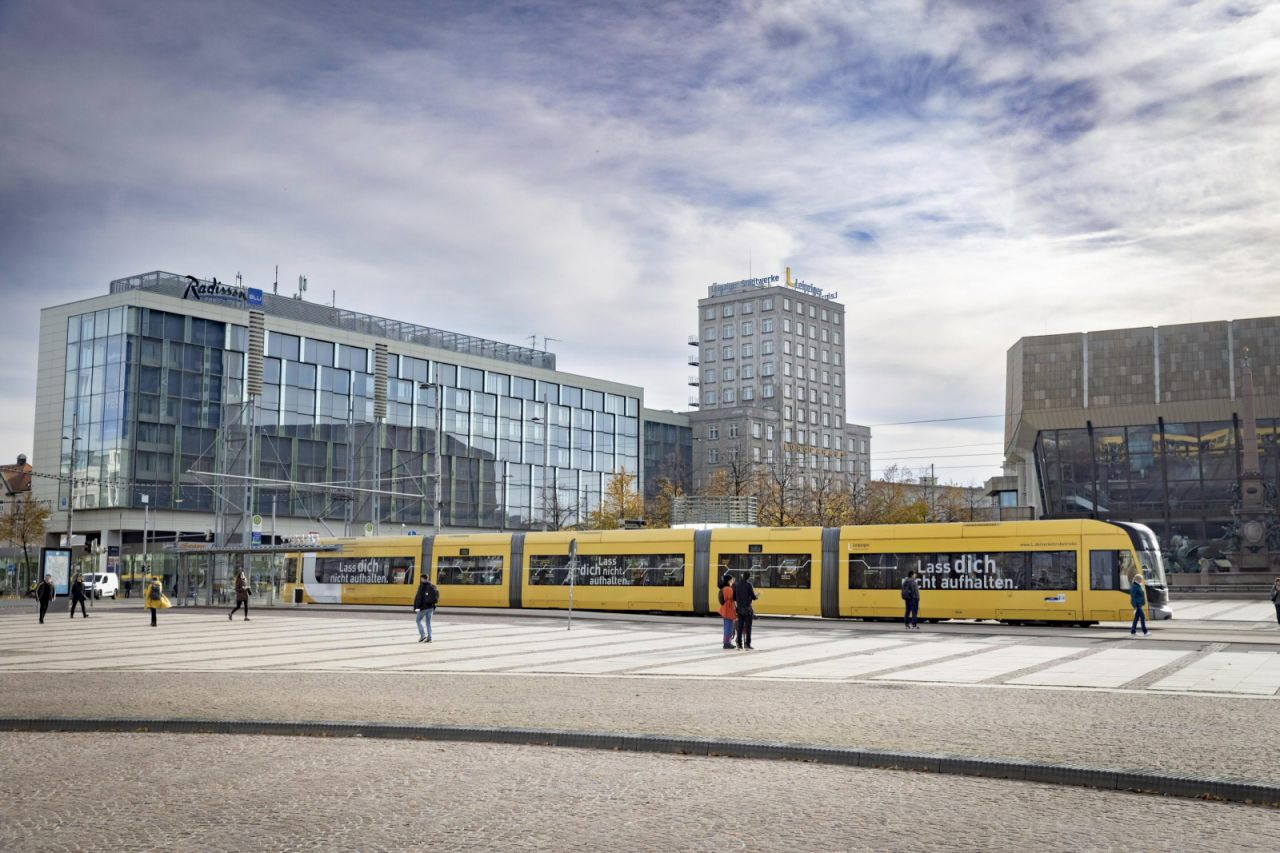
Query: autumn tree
[
  {"x": 827, "y": 501},
  {"x": 621, "y": 501},
  {"x": 658, "y": 509},
  {"x": 23, "y": 525}
]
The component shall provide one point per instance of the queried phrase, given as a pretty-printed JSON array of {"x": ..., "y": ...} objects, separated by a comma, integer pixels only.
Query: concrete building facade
[
  {"x": 1144, "y": 424},
  {"x": 771, "y": 384}
]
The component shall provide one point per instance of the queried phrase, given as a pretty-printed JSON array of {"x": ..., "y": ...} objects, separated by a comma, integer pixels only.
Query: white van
[{"x": 101, "y": 585}]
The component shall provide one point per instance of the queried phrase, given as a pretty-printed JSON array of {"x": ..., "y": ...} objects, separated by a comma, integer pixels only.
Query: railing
[{"x": 170, "y": 284}]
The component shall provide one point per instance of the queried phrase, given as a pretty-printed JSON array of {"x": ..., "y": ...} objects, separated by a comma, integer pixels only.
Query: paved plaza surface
[
  {"x": 1195, "y": 697},
  {"x": 234, "y": 793}
]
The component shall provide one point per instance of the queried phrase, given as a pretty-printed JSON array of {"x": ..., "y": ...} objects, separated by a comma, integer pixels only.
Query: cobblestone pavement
[
  {"x": 223, "y": 792},
  {"x": 199, "y": 666}
]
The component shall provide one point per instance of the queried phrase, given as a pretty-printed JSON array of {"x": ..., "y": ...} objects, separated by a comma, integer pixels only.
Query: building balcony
[
  {"x": 694, "y": 360},
  {"x": 693, "y": 340},
  {"x": 693, "y": 380},
  {"x": 694, "y": 402}
]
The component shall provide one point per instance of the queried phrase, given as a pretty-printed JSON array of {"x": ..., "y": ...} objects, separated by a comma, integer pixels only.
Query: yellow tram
[{"x": 1075, "y": 571}]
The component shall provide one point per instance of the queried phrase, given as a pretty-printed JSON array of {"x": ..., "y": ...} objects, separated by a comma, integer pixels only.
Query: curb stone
[{"x": 1166, "y": 784}]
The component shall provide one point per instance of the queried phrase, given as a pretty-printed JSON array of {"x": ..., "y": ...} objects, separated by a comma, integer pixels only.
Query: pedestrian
[
  {"x": 424, "y": 604},
  {"x": 44, "y": 594},
  {"x": 77, "y": 595},
  {"x": 1275, "y": 597},
  {"x": 728, "y": 610},
  {"x": 154, "y": 599},
  {"x": 743, "y": 594},
  {"x": 242, "y": 595},
  {"x": 911, "y": 600},
  {"x": 1138, "y": 597}
]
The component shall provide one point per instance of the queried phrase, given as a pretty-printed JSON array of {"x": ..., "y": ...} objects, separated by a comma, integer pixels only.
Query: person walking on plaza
[
  {"x": 911, "y": 599},
  {"x": 424, "y": 604},
  {"x": 728, "y": 610},
  {"x": 743, "y": 594},
  {"x": 44, "y": 594},
  {"x": 242, "y": 595},
  {"x": 78, "y": 596},
  {"x": 1275, "y": 597},
  {"x": 1138, "y": 597},
  {"x": 155, "y": 600}
]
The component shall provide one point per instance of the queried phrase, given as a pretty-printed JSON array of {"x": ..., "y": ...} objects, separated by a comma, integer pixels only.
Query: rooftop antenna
[
  {"x": 275, "y": 285},
  {"x": 533, "y": 342},
  {"x": 239, "y": 280},
  {"x": 302, "y": 286},
  {"x": 546, "y": 341}
]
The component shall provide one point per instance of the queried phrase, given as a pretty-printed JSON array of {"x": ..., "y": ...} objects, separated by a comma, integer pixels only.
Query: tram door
[{"x": 1107, "y": 573}]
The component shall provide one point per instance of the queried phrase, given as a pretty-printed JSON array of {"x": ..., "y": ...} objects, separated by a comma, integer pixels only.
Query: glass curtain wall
[{"x": 1181, "y": 481}]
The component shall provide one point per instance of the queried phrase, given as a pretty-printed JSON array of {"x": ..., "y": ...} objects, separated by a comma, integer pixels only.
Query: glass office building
[{"x": 143, "y": 397}]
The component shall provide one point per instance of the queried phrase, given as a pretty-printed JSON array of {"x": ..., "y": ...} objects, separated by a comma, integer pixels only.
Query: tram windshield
[{"x": 1148, "y": 548}]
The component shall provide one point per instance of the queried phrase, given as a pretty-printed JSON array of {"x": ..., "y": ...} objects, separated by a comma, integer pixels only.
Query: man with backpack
[
  {"x": 911, "y": 598},
  {"x": 424, "y": 604}
]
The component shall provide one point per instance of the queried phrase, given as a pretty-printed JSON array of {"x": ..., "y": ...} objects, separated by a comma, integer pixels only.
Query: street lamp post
[
  {"x": 146, "y": 523},
  {"x": 545, "y": 420},
  {"x": 437, "y": 493}
]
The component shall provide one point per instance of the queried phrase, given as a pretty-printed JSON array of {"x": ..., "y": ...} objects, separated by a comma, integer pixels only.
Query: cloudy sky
[{"x": 963, "y": 173}]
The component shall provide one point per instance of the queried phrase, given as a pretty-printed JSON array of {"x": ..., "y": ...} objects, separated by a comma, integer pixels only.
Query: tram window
[
  {"x": 364, "y": 570},
  {"x": 775, "y": 571},
  {"x": 291, "y": 565},
  {"x": 608, "y": 570},
  {"x": 1001, "y": 570},
  {"x": 1111, "y": 569},
  {"x": 474, "y": 571}
]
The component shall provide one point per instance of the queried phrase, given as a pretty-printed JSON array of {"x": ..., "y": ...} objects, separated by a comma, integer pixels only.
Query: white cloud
[{"x": 962, "y": 176}]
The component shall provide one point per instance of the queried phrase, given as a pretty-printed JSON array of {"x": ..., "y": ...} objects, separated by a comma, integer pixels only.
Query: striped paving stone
[
  {"x": 443, "y": 648},
  {"x": 773, "y": 650},
  {"x": 658, "y": 649},
  {"x": 890, "y": 657},
  {"x": 554, "y": 654},
  {"x": 1255, "y": 673},
  {"x": 985, "y": 665},
  {"x": 1107, "y": 668}
]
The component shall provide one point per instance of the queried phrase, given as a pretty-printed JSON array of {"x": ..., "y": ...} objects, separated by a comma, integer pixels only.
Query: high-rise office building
[
  {"x": 145, "y": 396},
  {"x": 771, "y": 359}
]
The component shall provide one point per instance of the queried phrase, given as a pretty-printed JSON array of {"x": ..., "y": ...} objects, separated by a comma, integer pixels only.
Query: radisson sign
[{"x": 224, "y": 294}]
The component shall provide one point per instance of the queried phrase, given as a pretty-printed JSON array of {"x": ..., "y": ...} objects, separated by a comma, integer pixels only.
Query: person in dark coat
[
  {"x": 44, "y": 594},
  {"x": 242, "y": 595},
  {"x": 743, "y": 594},
  {"x": 424, "y": 604},
  {"x": 78, "y": 595},
  {"x": 911, "y": 601},
  {"x": 1138, "y": 598}
]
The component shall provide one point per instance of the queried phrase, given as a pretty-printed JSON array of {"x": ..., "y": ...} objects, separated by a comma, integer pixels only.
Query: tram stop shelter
[{"x": 204, "y": 574}]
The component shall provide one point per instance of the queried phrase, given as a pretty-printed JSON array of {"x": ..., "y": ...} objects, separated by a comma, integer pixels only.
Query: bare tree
[
  {"x": 23, "y": 525},
  {"x": 558, "y": 510},
  {"x": 780, "y": 499},
  {"x": 828, "y": 502}
]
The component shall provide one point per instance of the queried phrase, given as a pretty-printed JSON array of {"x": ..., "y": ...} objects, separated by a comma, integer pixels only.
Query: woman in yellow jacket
[{"x": 155, "y": 600}]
